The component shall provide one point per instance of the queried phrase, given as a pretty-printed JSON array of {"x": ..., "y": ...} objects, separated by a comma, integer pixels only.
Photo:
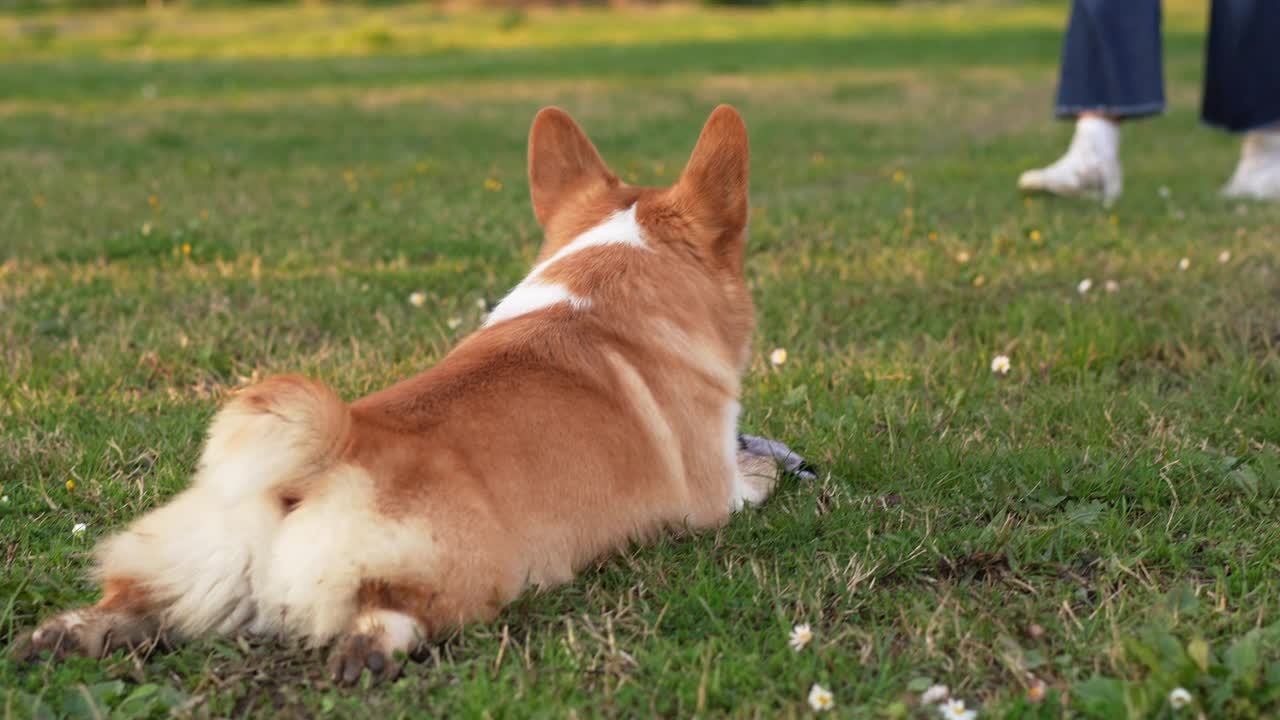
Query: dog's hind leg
[
  {"x": 124, "y": 617},
  {"x": 182, "y": 568},
  {"x": 388, "y": 627}
]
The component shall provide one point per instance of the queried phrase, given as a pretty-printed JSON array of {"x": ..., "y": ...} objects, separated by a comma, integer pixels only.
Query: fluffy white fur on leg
[{"x": 194, "y": 558}]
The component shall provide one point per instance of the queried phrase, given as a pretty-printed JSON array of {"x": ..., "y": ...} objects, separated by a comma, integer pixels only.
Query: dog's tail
[{"x": 275, "y": 437}]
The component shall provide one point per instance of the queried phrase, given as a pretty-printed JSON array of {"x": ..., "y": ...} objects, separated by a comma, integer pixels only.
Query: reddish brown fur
[
  {"x": 519, "y": 439},
  {"x": 124, "y": 595},
  {"x": 546, "y": 440}
]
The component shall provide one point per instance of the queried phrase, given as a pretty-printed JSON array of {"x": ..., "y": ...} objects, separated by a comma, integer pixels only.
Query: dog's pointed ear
[
  {"x": 562, "y": 162},
  {"x": 713, "y": 186}
]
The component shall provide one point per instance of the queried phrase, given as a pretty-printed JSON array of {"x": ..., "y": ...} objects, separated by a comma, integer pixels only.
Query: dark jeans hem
[
  {"x": 1232, "y": 128},
  {"x": 1123, "y": 111}
]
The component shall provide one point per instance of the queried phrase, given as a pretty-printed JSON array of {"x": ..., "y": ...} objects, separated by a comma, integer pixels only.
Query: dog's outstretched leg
[{"x": 123, "y": 618}]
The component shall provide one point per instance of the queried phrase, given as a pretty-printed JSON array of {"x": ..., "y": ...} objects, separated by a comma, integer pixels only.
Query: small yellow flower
[
  {"x": 899, "y": 176},
  {"x": 417, "y": 298},
  {"x": 1036, "y": 692},
  {"x": 1114, "y": 220},
  {"x": 933, "y": 234},
  {"x": 819, "y": 158},
  {"x": 979, "y": 281},
  {"x": 186, "y": 249},
  {"x": 421, "y": 167},
  {"x": 1035, "y": 236},
  {"x": 153, "y": 201},
  {"x": 38, "y": 201},
  {"x": 71, "y": 484},
  {"x": 204, "y": 214},
  {"x": 778, "y": 356},
  {"x": 492, "y": 184},
  {"x": 660, "y": 169},
  {"x": 146, "y": 229},
  {"x": 908, "y": 211},
  {"x": 820, "y": 698}
]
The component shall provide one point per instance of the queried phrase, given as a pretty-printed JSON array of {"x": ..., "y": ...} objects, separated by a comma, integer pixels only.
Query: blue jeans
[{"x": 1111, "y": 62}]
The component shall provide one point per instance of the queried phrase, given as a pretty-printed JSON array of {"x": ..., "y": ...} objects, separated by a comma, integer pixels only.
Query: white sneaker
[
  {"x": 1257, "y": 176},
  {"x": 1091, "y": 165}
]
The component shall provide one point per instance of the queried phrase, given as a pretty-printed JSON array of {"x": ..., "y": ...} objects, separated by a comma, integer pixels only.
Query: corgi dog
[{"x": 596, "y": 407}]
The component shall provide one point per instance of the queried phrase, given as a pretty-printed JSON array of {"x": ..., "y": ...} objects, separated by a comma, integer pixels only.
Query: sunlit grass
[
  {"x": 1101, "y": 519},
  {"x": 315, "y": 31}
]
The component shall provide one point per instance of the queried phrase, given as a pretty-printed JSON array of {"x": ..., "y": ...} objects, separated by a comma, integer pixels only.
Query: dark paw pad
[{"x": 356, "y": 653}]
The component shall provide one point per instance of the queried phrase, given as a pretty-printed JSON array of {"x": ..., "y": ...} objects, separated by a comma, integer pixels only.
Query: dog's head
[{"x": 687, "y": 241}]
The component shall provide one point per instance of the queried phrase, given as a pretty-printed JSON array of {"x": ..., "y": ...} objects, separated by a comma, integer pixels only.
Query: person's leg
[
  {"x": 1111, "y": 71},
  {"x": 1242, "y": 90}
]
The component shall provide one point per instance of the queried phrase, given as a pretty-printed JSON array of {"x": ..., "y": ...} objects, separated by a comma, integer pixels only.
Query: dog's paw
[
  {"x": 790, "y": 461},
  {"x": 358, "y": 652},
  {"x": 59, "y": 636}
]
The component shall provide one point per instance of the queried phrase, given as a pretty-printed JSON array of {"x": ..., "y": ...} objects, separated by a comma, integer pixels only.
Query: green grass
[{"x": 191, "y": 200}]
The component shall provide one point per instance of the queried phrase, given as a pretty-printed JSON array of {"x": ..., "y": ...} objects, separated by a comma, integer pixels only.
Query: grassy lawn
[{"x": 192, "y": 200}]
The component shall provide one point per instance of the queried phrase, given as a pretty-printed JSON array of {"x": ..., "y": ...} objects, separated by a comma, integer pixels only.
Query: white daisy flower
[
  {"x": 4, "y": 500},
  {"x": 800, "y": 636},
  {"x": 778, "y": 356},
  {"x": 1000, "y": 365},
  {"x": 1184, "y": 263},
  {"x": 417, "y": 298},
  {"x": 1179, "y": 698},
  {"x": 1165, "y": 191},
  {"x": 1224, "y": 257},
  {"x": 954, "y": 710},
  {"x": 453, "y": 323},
  {"x": 481, "y": 304},
  {"x": 79, "y": 528},
  {"x": 820, "y": 698},
  {"x": 1084, "y": 285},
  {"x": 935, "y": 694}
]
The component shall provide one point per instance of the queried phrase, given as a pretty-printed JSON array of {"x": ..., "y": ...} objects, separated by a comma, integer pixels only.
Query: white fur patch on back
[
  {"x": 534, "y": 294},
  {"x": 619, "y": 228},
  {"x": 530, "y": 296}
]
